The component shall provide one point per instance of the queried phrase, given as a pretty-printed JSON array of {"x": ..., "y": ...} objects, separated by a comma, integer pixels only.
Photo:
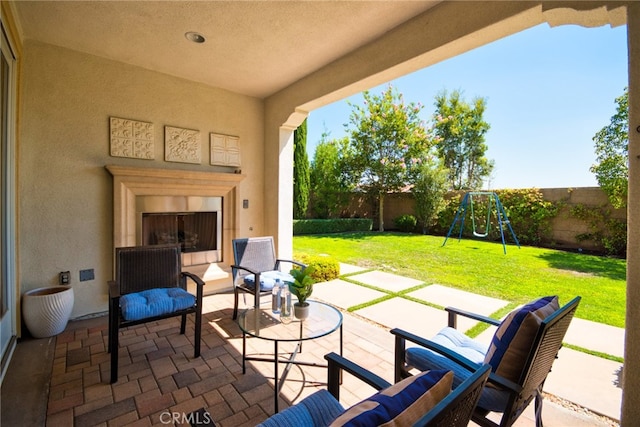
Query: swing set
[{"x": 467, "y": 205}]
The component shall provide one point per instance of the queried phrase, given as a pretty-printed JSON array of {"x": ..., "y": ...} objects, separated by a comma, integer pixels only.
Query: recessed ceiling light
[{"x": 195, "y": 37}]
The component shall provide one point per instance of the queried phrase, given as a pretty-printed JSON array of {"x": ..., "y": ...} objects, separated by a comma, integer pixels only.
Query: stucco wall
[
  {"x": 631, "y": 379},
  {"x": 66, "y": 206},
  {"x": 565, "y": 226}
]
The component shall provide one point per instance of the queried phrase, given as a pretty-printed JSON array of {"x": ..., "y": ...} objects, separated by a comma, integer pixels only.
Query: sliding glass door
[{"x": 7, "y": 202}]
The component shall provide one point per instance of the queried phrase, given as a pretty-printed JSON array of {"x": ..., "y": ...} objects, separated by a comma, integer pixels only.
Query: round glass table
[{"x": 264, "y": 324}]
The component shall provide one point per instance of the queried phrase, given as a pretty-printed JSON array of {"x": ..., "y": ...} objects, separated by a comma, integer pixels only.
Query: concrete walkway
[{"x": 588, "y": 381}]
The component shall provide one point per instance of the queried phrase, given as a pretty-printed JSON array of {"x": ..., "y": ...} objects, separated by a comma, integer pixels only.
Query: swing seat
[{"x": 487, "y": 224}]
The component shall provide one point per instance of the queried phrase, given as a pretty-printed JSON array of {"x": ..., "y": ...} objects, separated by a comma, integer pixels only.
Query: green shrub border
[{"x": 324, "y": 226}]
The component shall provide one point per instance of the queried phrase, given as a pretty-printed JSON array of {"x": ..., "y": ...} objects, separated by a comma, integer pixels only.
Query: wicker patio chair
[
  {"x": 323, "y": 407},
  {"x": 150, "y": 285},
  {"x": 255, "y": 268},
  {"x": 521, "y": 355}
]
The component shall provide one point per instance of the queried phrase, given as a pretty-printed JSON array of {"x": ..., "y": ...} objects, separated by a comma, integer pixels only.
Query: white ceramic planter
[{"x": 46, "y": 311}]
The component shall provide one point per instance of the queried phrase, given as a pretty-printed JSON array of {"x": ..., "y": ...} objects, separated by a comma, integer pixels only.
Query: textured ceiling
[{"x": 254, "y": 48}]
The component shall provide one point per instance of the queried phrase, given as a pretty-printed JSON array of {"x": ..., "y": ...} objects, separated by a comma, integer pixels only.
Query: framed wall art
[
  {"x": 182, "y": 145},
  {"x": 225, "y": 150},
  {"x": 131, "y": 138}
]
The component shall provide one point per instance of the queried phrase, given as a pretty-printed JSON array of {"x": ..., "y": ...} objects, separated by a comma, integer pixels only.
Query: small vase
[
  {"x": 46, "y": 311},
  {"x": 301, "y": 310}
]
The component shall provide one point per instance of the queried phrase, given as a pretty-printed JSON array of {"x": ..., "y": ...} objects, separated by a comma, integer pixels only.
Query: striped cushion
[
  {"x": 401, "y": 404},
  {"x": 155, "y": 302},
  {"x": 318, "y": 409},
  {"x": 461, "y": 344},
  {"x": 514, "y": 337}
]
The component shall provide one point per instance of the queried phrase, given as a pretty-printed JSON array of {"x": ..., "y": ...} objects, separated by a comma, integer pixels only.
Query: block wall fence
[{"x": 565, "y": 227}]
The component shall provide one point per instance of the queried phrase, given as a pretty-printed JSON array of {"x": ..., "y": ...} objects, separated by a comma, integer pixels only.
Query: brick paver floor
[{"x": 161, "y": 383}]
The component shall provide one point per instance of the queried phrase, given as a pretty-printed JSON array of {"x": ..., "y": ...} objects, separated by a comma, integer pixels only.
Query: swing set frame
[{"x": 467, "y": 204}]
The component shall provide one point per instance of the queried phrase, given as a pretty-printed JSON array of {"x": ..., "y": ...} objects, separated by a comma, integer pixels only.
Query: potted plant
[{"x": 301, "y": 287}]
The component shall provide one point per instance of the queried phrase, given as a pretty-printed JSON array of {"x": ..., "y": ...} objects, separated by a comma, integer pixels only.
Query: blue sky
[{"x": 547, "y": 90}]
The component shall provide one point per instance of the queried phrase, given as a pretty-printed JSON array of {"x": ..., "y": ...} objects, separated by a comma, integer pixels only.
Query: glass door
[{"x": 7, "y": 203}]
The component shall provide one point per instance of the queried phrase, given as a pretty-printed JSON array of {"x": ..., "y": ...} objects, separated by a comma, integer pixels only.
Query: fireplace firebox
[
  {"x": 194, "y": 222},
  {"x": 195, "y": 231}
]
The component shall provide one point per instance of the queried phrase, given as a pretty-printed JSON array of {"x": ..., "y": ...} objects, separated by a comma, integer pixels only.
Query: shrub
[
  {"x": 405, "y": 223},
  {"x": 322, "y": 226},
  {"x": 529, "y": 213},
  {"x": 605, "y": 231},
  {"x": 325, "y": 268}
]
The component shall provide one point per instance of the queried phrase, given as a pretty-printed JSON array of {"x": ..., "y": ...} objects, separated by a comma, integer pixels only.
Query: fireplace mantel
[
  {"x": 130, "y": 182},
  {"x": 174, "y": 175}
]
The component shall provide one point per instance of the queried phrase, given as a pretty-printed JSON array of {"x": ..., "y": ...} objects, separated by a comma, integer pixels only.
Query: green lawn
[{"x": 482, "y": 267}]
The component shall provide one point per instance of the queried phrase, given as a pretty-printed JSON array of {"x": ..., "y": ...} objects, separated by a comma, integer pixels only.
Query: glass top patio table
[{"x": 263, "y": 323}]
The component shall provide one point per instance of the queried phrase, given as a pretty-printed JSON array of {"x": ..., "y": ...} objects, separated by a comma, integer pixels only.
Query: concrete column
[
  {"x": 281, "y": 121},
  {"x": 631, "y": 380},
  {"x": 284, "y": 238}
]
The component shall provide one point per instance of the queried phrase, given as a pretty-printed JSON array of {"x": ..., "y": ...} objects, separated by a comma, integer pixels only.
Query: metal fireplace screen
[{"x": 195, "y": 231}]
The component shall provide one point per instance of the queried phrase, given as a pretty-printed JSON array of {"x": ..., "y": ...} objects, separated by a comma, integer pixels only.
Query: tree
[
  {"x": 429, "y": 190},
  {"x": 460, "y": 139},
  {"x": 330, "y": 186},
  {"x": 612, "y": 154},
  {"x": 386, "y": 139},
  {"x": 300, "y": 172}
]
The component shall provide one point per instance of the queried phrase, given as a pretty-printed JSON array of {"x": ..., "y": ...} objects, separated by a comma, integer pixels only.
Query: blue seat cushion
[
  {"x": 316, "y": 410},
  {"x": 267, "y": 279},
  {"x": 424, "y": 360},
  {"x": 155, "y": 302}
]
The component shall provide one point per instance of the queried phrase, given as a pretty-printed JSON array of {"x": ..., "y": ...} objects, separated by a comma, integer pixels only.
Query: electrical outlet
[
  {"x": 64, "y": 277},
  {"x": 86, "y": 275}
]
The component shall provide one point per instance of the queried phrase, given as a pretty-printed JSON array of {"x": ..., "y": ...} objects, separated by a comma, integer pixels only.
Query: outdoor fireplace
[{"x": 181, "y": 195}]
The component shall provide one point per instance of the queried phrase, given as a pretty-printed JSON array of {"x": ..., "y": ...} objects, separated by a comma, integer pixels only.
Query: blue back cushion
[
  {"x": 514, "y": 338},
  {"x": 155, "y": 302},
  {"x": 401, "y": 404}
]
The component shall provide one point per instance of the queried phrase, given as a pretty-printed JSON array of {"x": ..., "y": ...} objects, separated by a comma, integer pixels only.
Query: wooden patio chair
[
  {"x": 255, "y": 263},
  {"x": 521, "y": 354},
  {"x": 150, "y": 285},
  {"x": 428, "y": 401}
]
